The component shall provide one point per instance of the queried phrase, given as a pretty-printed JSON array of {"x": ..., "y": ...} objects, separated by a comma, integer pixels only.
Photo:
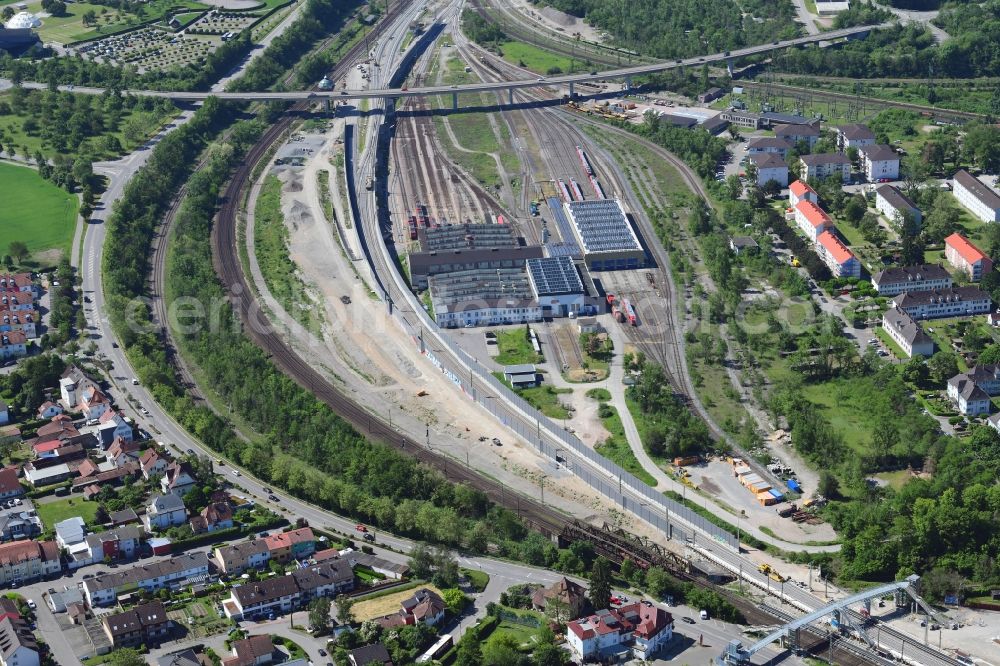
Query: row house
[
  {"x": 907, "y": 333},
  {"x": 966, "y": 257},
  {"x": 922, "y": 277},
  {"x": 879, "y": 163},
  {"x": 800, "y": 191},
  {"x": 166, "y": 574},
  {"x": 22, "y": 282},
  {"x": 121, "y": 543},
  {"x": 840, "y": 260},
  {"x": 896, "y": 206},
  {"x": 16, "y": 301},
  {"x": 953, "y": 302},
  {"x": 13, "y": 345},
  {"x": 981, "y": 199},
  {"x": 24, "y": 321},
  {"x": 298, "y": 544},
  {"x": 146, "y": 624},
  {"x": 282, "y": 594},
  {"x": 18, "y": 646},
  {"x": 825, "y": 165},
  {"x": 23, "y": 561}
]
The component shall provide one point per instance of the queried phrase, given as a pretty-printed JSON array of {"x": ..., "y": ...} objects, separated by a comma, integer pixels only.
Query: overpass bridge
[
  {"x": 844, "y": 619},
  {"x": 570, "y": 80}
]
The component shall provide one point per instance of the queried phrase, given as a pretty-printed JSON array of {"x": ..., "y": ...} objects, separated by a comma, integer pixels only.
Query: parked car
[{"x": 687, "y": 620}]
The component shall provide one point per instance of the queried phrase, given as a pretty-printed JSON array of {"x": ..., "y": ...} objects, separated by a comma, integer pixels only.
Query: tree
[
  {"x": 89, "y": 17},
  {"x": 421, "y": 562},
  {"x": 501, "y": 650},
  {"x": 828, "y": 485},
  {"x": 18, "y": 250},
  {"x": 125, "y": 657},
  {"x": 319, "y": 615},
  {"x": 855, "y": 209},
  {"x": 469, "y": 653},
  {"x": 345, "y": 609},
  {"x": 942, "y": 366},
  {"x": 454, "y": 600},
  {"x": 989, "y": 356},
  {"x": 600, "y": 583},
  {"x": 915, "y": 370}
]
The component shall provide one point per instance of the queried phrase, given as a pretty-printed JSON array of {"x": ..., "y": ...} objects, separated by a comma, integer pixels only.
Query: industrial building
[
  {"x": 467, "y": 236},
  {"x": 557, "y": 285},
  {"x": 603, "y": 231},
  {"x": 483, "y": 297},
  {"x": 426, "y": 264}
]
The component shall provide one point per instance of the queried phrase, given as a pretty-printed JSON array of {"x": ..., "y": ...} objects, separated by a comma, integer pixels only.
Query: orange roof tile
[
  {"x": 836, "y": 249},
  {"x": 816, "y": 215},
  {"x": 967, "y": 250},
  {"x": 799, "y": 188}
]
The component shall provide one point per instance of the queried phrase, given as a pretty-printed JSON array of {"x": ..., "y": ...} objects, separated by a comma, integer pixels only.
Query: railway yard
[{"x": 469, "y": 278}]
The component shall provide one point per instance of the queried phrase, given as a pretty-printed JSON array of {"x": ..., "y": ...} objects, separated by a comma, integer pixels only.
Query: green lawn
[
  {"x": 35, "y": 211},
  {"x": 69, "y": 28},
  {"x": 546, "y": 400},
  {"x": 846, "y": 415},
  {"x": 890, "y": 343},
  {"x": 515, "y": 348},
  {"x": 616, "y": 448},
  {"x": 51, "y": 513},
  {"x": 478, "y": 579},
  {"x": 538, "y": 60}
]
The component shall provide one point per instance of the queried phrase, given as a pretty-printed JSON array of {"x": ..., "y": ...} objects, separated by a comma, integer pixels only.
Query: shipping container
[
  {"x": 687, "y": 460},
  {"x": 750, "y": 479},
  {"x": 794, "y": 486},
  {"x": 777, "y": 494},
  {"x": 766, "y": 499}
]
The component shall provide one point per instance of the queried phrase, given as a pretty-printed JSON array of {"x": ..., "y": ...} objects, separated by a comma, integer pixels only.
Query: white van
[{"x": 704, "y": 615}]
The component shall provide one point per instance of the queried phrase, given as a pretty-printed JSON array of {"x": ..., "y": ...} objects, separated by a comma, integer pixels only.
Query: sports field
[{"x": 35, "y": 211}]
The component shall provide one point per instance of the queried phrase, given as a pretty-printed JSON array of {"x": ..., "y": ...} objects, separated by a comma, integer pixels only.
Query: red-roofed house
[
  {"x": 49, "y": 409},
  {"x": 636, "y": 631},
  {"x": 835, "y": 254},
  {"x": 122, "y": 452},
  {"x": 87, "y": 468},
  {"x": 812, "y": 219},
  {"x": 215, "y": 516},
  {"x": 153, "y": 464},
  {"x": 13, "y": 344},
  {"x": 93, "y": 403},
  {"x": 295, "y": 545},
  {"x": 45, "y": 449},
  {"x": 966, "y": 257},
  {"x": 10, "y": 486},
  {"x": 177, "y": 479},
  {"x": 800, "y": 191},
  {"x": 17, "y": 282}
]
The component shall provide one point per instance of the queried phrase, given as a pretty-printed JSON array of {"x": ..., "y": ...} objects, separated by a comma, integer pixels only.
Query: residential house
[
  {"x": 906, "y": 333},
  {"x": 636, "y": 631},
  {"x": 837, "y": 256},
  {"x": 293, "y": 545},
  {"x": 370, "y": 655},
  {"x": 112, "y": 477},
  {"x": 854, "y": 136},
  {"x": 10, "y": 485},
  {"x": 153, "y": 464},
  {"x": 356, "y": 558},
  {"x": 251, "y": 651},
  {"x": 70, "y": 532},
  {"x": 741, "y": 244},
  {"x": 970, "y": 399},
  {"x": 145, "y": 624},
  {"x": 19, "y": 522},
  {"x": 966, "y": 257},
  {"x": 120, "y": 543},
  {"x": 281, "y": 594},
  {"x": 177, "y": 479},
  {"x": 165, "y": 511},
  {"x": 23, "y": 561},
  {"x": 122, "y": 452},
  {"x": 48, "y": 409},
  {"x": 13, "y": 345},
  {"x": 179, "y": 570},
  {"x": 112, "y": 426},
  {"x": 424, "y": 607},
  {"x": 93, "y": 403},
  {"x": 923, "y": 277},
  {"x": 994, "y": 421},
  {"x": 22, "y": 321},
  {"x": 22, "y": 282},
  {"x": 800, "y": 191},
  {"x": 215, "y": 516},
  {"x": 565, "y": 594},
  {"x": 17, "y": 644},
  {"x": 811, "y": 219},
  {"x": 825, "y": 165},
  {"x": 239, "y": 557},
  {"x": 879, "y": 163},
  {"x": 88, "y": 468},
  {"x": 896, "y": 206},
  {"x": 795, "y": 134},
  {"x": 953, "y": 302},
  {"x": 769, "y": 144},
  {"x": 14, "y": 301},
  {"x": 60, "y": 428},
  {"x": 72, "y": 384},
  {"x": 770, "y": 167},
  {"x": 59, "y": 601},
  {"x": 185, "y": 657},
  {"x": 981, "y": 199}
]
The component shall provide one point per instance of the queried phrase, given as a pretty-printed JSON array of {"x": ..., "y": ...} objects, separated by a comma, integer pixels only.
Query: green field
[
  {"x": 35, "y": 211},
  {"x": 51, "y": 513},
  {"x": 539, "y": 60},
  {"x": 515, "y": 348},
  {"x": 70, "y": 28},
  {"x": 616, "y": 448},
  {"x": 546, "y": 400}
]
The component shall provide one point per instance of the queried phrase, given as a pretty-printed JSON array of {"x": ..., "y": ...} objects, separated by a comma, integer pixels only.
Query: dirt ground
[
  {"x": 381, "y": 606},
  {"x": 553, "y": 19}
]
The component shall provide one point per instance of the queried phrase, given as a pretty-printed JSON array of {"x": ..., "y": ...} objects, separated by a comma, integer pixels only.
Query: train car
[
  {"x": 630, "y": 313},
  {"x": 617, "y": 313},
  {"x": 577, "y": 192},
  {"x": 412, "y": 222},
  {"x": 611, "y": 299},
  {"x": 584, "y": 161},
  {"x": 598, "y": 190},
  {"x": 500, "y": 220},
  {"x": 534, "y": 209},
  {"x": 565, "y": 191}
]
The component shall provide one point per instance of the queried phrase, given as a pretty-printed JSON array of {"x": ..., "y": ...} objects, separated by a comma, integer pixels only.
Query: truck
[
  {"x": 769, "y": 571},
  {"x": 534, "y": 208},
  {"x": 787, "y": 511}
]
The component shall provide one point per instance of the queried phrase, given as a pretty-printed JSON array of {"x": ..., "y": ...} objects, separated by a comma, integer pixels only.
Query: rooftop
[
  {"x": 896, "y": 199},
  {"x": 462, "y": 236},
  {"x": 954, "y": 294},
  {"x": 825, "y": 158},
  {"x": 879, "y": 153},
  {"x": 980, "y": 190},
  {"x": 796, "y": 130},
  {"x": 835, "y": 247},
  {"x": 175, "y": 565},
  {"x": 799, "y": 188},
  {"x": 764, "y": 142},
  {"x": 481, "y": 287},
  {"x": 916, "y": 273},
  {"x": 602, "y": 226},
  {"x": 554, "y": 275},
  {"x": 767, "y": 161},
  {"x": 965, "y": 248},
  {"x": 856, "y": 131},
  {"x": 907, "y": 328},
  {"x": 816, "y": 215}
]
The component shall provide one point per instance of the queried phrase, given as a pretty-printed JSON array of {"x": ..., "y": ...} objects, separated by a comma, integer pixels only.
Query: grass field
[
  {"x": 370, "y": 609},
  {"x": 515, "y": 348},
  {"x": 35, "y": 211},
  {"x": 51, "y": 513},
  {"x": 616, "y": 448},
  {"x": 538, "y": 60},
  {"x": 70, "y": 27}
]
